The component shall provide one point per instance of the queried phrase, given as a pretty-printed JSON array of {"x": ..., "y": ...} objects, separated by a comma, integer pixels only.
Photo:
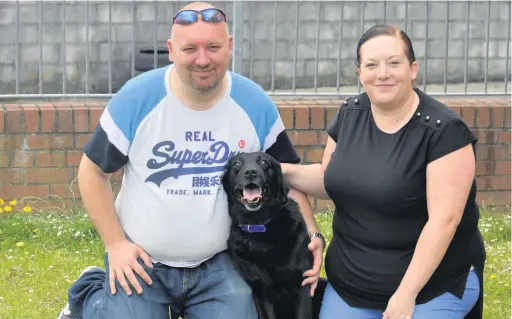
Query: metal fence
[{"x": 291, "y": 48}]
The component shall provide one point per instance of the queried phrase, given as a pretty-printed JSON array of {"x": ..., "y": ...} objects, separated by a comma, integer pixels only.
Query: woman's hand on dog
[
  {"x": 122, "y": 259},
  {"x": 316, "y": 247}
]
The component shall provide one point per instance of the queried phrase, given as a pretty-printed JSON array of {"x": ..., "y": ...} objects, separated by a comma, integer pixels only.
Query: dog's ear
[
  {"x": 225, "y": 175},
  {"x": 226, "y": 184},
  {"x": 283, "y": 187}
]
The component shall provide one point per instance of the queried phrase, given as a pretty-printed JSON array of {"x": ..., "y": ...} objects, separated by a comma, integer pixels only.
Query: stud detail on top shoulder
[
  {"x": 427, "y": 118},
  {"x": 418, "y": 114},
  {"x": 345, "y": 103},
  {"x": 356, "y": 101},
  {"x": 438, "y": 122}
]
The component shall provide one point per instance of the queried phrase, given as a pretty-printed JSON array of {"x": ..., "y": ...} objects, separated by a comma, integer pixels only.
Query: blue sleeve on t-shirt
[
  {"x": 110, "y": 143},
  {"x": 265, "y": 117}
]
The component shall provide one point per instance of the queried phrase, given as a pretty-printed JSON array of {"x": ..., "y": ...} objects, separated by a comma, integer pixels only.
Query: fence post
[{"x": 238, "y": 37}]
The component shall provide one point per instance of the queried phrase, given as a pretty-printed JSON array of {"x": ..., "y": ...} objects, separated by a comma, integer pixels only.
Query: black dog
[{"x": 268, "y": 240}]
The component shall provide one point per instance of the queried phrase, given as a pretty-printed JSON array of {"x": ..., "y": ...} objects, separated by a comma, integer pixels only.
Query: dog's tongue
[{"x": 251, "y": 193}]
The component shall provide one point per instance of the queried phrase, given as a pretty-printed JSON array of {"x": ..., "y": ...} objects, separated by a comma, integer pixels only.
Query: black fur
[{"x": 272, "y": 262}]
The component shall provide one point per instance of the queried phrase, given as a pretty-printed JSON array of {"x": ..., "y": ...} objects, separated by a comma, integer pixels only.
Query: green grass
[{"x": 35, "y": 276}]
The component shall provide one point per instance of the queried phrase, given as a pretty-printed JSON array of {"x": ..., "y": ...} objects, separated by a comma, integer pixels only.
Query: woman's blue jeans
[{"x": 444, "y": 306}]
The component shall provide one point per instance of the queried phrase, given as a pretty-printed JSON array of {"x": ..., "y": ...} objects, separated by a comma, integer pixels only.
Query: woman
[{"x": 399, "y": 167}]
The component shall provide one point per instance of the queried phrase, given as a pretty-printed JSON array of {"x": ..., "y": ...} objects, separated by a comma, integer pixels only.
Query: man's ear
[
  {"x": 230, "y": 45},
  {"x": 171, "y": 50}
]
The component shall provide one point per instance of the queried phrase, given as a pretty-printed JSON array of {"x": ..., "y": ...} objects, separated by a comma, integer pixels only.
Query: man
[{"x": 172, "y": 130}]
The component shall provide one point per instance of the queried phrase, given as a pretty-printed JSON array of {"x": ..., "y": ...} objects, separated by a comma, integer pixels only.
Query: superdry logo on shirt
[{"x": 179, "y": 162}]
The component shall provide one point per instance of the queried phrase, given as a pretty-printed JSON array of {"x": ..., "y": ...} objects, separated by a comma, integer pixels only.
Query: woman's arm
[
  {"x": 309, "y": 179},
  {"x": 449, "y": 181}
]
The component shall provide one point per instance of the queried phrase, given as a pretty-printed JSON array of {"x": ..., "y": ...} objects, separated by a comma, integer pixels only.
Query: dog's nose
[{"x": 251, "y": 172}]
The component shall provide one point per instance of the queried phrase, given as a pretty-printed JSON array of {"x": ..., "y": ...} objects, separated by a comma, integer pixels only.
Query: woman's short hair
[{"x": 379, "y": 30}]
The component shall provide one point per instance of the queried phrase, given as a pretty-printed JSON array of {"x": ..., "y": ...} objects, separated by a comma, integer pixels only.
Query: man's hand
[
  {"x": 122, "y": 259},
  {"x": 400, "y": 306},
  {"x": 316, "y": 247}
]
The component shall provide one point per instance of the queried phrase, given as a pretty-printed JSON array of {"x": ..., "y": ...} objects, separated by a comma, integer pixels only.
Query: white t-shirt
[{"x": 171, "y": 202}]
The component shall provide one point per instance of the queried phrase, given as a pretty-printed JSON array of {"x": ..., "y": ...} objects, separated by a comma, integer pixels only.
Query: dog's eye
[
  {"x": 263, "y": 163},
  {"x": 237, "y": 165}
]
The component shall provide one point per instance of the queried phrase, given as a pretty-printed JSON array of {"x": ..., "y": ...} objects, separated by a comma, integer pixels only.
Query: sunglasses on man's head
[{"x": 210, "y": 15}]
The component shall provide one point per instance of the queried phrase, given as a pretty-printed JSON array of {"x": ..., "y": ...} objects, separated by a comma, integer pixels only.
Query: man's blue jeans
[{"x": 213, "y": 289}]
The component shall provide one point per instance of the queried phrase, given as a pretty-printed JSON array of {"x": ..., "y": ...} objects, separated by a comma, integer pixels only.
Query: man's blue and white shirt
[{"x": 171, "y": 201}]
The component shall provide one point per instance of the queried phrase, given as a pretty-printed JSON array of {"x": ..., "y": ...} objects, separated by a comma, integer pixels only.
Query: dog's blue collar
[
  {"x": 250, "y": 228},
  {"x": 255, "y": 228}
]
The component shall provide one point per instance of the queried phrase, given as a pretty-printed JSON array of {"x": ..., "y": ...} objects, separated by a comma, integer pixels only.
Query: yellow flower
[
  {"x": 8, "y": 208},
  {"x": 20, "y": 244},
  {"x": 27, "y": 209},
  {"x": 13, "y": 203},
  {"x": 1, "y": 210},
  {"x": 2, "y": 202},
  {"x": 36, "y": 230},
  {"x": 493, "y": 276}
]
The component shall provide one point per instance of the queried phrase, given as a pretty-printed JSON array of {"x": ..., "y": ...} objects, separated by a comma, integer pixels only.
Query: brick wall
[{"x": 41, "y": 145}]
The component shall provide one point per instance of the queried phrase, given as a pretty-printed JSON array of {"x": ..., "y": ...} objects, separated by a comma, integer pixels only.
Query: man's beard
[
  {"x": 204, "y": 89},
  {"x": 207, "y": 89}
]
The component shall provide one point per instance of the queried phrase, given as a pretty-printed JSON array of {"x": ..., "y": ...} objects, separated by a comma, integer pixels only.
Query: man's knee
[
  {"x": 152, "y": 303},
  {"x": 87, "y": 289},
  {"x": 111, "y": 307},
  {"x": 149, "y": 304}
]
